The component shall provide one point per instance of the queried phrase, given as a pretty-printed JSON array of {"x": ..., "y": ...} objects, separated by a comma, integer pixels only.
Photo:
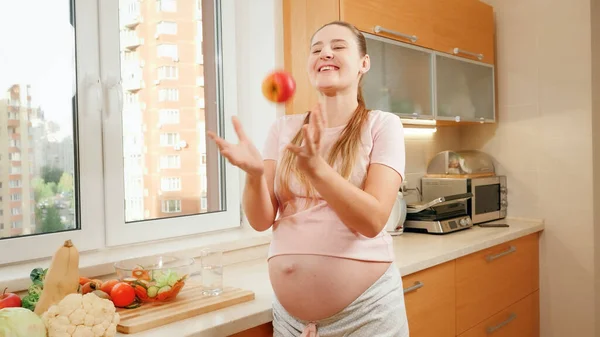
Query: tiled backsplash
[{"x": 421, "y": 148}]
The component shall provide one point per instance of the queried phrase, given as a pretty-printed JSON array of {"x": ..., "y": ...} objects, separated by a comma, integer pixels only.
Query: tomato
[
  {"x": 141, "y": 292},
  {"x": 108, "y": 285},
  {"x": 122, "y": 294}
]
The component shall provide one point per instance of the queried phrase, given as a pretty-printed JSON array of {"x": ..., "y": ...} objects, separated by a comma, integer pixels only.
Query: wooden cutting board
[{"x": 189, "y": 303}]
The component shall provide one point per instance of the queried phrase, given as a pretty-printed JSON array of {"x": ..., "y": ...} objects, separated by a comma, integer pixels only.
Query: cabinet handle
[
  {"x": 412, "y": 38},
  {"x": 493, "y": 329},
  {"x": 414, "y": 287},
  {"x": 491, "y": 258},
  {"x": 462, "y": 51}
]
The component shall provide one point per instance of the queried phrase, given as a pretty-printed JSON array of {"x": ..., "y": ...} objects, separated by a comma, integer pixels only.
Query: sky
[{"x": 36, "y": 48}]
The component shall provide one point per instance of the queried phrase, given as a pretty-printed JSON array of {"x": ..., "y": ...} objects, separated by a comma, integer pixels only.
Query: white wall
[
  {"x": 259, "y": 50},
  {"x": 543, "y": 143}
]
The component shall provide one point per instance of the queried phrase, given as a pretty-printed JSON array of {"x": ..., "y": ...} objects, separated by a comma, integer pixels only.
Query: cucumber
[
  {"x": 134, "y": 305},
  {"x": 164, "y": 289},
  {"x": 152, "y": 291}
]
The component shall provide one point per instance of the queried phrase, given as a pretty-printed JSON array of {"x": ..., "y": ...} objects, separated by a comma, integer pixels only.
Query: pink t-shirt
[{"x": 318, "y": 230}]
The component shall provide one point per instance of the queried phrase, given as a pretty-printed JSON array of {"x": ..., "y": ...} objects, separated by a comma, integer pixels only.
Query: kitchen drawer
[
  {"x": 404, "y": 18},
  {"x": 264, "y": 330},
  {"x": 430, "y": 302},
  {"x": 519, "y": 320},
  {"x": 492, "y": 279}
]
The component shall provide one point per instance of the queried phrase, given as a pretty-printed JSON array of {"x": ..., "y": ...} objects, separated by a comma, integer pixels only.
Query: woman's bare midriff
[{"x": 313, "y": 287}]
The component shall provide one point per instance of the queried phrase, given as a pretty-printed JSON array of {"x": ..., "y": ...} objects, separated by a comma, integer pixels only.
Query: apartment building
[
  {"x": 17, "y": 204},
  {"x": 163, "y": 108}
]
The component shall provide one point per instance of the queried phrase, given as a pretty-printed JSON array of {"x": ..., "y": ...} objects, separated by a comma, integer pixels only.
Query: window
[
  {"x": 98, "y": 142},
  {"x": 166, "y": 27},
  {"x": 167, "y": 5},
  {"x": 170, "y": 162},
  {"x": 170, "y": 184},
  {"x": 14, "y": 183},
  {"x": 168, "y": 73},
  {"x": 168, "y": 95},
  {"x": 168, "y": 116},
  {"x": 167, "y": 50},
  {"x": 171, "y": 206},
  {"x": 169, "y": 139}
]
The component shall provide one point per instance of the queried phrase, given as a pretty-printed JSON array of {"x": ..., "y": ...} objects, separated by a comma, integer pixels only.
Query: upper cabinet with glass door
[
  {"x": 464, "y": 90},
  {"x": 399, "y": 80},
  {"x": 410, "y": 42}
]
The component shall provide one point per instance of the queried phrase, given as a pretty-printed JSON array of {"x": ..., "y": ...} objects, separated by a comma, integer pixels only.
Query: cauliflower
[{"x": 81, "y": 316}]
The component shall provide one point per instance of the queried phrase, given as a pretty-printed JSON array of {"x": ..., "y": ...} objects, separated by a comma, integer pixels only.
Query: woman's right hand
[{"x": 243, "y": 154}]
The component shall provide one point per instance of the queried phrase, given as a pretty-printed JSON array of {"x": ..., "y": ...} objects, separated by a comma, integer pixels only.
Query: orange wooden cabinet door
[
  {"x": 403, "y": 18},
  {"x": 467, "y": 25},
  {"x": 264, "y": 330},
  {"x": 301, "y": 18},
  {"x": 518, "y": 320},
  {"x": 490, "y": 280},
  {"x": 430, "y": 301}
]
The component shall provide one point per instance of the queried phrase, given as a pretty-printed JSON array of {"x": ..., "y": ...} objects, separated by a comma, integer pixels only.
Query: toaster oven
[{"x": 489, "y": 201}]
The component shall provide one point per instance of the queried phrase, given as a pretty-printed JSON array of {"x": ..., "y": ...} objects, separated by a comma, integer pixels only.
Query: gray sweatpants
[{"x": 378, "y": 312}]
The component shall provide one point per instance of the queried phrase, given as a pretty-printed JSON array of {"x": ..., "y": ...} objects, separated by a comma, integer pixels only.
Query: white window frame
[
  {"x": 159, "y": 7},
  {"x": 91, "y": 235},
  {"x": 168, "y": 50},
  {"x": 169, "y": 138},
  {"x": 118, "y": 232},
  {"x": 168, "y": 73},
  {"x": 164, "y": 206},
  {"x": 176, "y": 157},
  {"x": 166, "y": 28},
  {"x": 168, "y": 116},
  {"x": 93, "y": 116},
  {"x": 170, "y": 184}
]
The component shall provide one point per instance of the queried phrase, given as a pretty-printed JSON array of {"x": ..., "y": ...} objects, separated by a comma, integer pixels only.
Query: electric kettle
[{"x": 395, "y": 223}]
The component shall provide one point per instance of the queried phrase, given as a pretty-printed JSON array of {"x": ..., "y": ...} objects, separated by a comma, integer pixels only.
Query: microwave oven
[{"x": 489, "y": 201}]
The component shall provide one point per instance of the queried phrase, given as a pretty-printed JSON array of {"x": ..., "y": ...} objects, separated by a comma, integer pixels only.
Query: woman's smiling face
[{"x": 335, "y": 61}]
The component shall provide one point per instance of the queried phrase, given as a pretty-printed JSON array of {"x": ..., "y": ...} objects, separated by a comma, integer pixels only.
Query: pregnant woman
[{"x": 326, "y": 182}]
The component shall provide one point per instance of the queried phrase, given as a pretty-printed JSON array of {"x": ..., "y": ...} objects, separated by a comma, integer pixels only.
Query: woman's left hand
[{"x": 308, "y": 157}]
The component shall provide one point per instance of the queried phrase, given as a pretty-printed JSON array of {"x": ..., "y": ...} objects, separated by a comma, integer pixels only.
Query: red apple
[
  {"x": 279, "y": 86},
  {"x": 8, "y": 300}
]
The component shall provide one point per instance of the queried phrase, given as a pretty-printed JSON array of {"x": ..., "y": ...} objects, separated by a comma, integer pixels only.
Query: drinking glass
[{"x": 211, "y": 262}]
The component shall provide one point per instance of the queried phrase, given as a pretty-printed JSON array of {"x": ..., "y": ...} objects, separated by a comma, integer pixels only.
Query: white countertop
[{"x": 414, "y": 252}]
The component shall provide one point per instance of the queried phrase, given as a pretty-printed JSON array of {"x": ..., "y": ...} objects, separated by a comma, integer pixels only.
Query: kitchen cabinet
[
  {"x": 301, "y": 18},
  {"x": 464, "y": 90},
  {"x": 430, "y": 302},
  {"x": 264, "y": 330},
  {"x": 431, "y": 59},
  {"x": 409, "y": 21},
  {"x": 493, "y": 291},
  {"x": 407, "y": 89},
  {"x": 492, "y": 279},
  {"x": 520, "y": 319},
  {"x": 464, "y": 28}
]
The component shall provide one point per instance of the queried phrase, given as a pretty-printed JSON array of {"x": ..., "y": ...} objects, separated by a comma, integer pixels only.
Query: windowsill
[{"x": 99, "y": 263}]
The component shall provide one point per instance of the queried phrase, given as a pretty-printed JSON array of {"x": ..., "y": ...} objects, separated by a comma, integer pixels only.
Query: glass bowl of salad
[{"x": 155, "y": 278}]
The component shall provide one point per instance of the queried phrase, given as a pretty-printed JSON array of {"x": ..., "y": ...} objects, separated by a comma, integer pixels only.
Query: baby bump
[{"x": 313, "y": 287}]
